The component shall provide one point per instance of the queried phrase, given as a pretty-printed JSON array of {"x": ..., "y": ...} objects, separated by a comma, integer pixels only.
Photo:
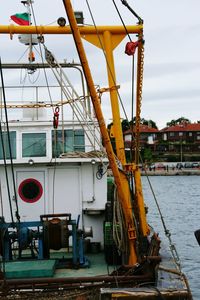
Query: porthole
[{"x": 30, "y": 190}]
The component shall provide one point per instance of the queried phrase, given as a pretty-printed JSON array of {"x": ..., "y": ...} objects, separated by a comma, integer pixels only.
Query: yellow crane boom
[{"x": 120, "y": 177}]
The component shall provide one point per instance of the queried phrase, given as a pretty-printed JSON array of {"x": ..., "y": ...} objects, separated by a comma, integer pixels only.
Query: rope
[
  {"x": 30, "y": 72},
  {"x": 122, "y": 20},
  {"x": 22, "y": 55},
  {"x": 102, "y": 47},
  {"x": 54, "y": 169},
  {"x": 1, "y": 200},
  {"x": 133, "y": 64},
  {"x": 132, "y": 111},
  {"x": 77, "y": 105},
  {"x": 132, "y": 92},
  {"x": 139, "y": 76},
  {"x": 6, "y": 173},
  {"x": 50, "y": 97},
  {"x": 151, "y": 286},
  {"x": 119, "y": 226},
  {"x": 167, "y": 232},
  {"x": 40, "y": 39},
  {"x": 124, "y": 2},
  {"x": 10, "y": 150}
]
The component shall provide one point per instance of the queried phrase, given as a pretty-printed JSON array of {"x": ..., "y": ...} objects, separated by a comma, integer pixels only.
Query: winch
[{"x": 36, "y": 239}]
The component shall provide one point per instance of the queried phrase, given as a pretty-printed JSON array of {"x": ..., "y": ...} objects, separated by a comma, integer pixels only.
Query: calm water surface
[{"x": 179, "y": 200}]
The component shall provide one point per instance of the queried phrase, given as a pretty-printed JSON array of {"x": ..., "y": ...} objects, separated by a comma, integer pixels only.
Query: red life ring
[{"x": 30, "y": 190}]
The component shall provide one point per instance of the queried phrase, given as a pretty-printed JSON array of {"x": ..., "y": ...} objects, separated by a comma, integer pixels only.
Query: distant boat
[{"x": 73, "y": 219}]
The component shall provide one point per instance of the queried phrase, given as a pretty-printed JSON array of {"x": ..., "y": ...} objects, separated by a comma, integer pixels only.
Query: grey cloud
[{"x": 165, "y": 69}]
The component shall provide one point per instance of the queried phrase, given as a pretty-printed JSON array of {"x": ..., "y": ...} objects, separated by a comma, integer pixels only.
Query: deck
[{"x": 170, "y": 284}]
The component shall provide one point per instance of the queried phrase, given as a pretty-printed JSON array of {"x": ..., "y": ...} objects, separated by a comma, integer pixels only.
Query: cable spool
[
  {"x": 55, "y": 240},
  {"x": 57, "y": 234}
]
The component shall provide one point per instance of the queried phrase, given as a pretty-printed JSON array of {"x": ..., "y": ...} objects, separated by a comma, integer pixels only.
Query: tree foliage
[
  {"x": 125, "y": 125},
  {"x": 128, "y": 124},
  {"x": 178, "y": 121},
  {"x": 143, "y": 121},
  {"x": 149, "y": 123},
  {"x": 147, "y": 155}
]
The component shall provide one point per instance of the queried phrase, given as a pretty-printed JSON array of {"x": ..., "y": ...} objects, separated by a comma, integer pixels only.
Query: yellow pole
[
  {"x": 107, "y": 39},
  {"x": 143, "y": 225},
  {"x": 123, "y": 191},
  {"x": 13, "y": 29}
]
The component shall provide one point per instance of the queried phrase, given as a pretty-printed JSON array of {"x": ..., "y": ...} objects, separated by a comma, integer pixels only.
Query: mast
[
  {"x": 120, "y": 178},
  {"x": 29, "y": 42},
  {"x": 31, "y": 54}
]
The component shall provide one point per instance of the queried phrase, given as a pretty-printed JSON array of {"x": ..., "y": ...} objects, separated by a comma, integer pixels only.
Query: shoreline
[{"x": 170, "y": 172}]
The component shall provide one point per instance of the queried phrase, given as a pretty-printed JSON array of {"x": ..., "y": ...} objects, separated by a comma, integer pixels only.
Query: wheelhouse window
[
  {"x": 33, "y": 144},
  {"x": 67, "y": 141},
  {"x": 79, "y": 140},
  {"x": 6, "y": 151}
]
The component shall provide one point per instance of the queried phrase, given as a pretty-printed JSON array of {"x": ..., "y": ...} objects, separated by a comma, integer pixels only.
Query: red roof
[
  {"x": 144, "y": 129},
  {"x": 183, "y": 127}
]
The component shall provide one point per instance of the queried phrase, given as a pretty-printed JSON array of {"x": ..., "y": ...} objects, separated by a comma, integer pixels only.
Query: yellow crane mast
[{"x": 121, "y": 179}]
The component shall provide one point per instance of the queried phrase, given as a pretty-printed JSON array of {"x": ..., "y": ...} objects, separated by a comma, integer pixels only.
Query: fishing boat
[{"x": 73, "y": 219}]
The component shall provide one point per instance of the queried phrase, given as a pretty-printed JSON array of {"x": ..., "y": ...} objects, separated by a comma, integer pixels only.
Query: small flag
[{"x": 21, "y": 19}]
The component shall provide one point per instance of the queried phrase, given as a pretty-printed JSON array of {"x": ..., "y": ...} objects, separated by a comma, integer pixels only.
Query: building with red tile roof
[{"x": 179, "y": 142}]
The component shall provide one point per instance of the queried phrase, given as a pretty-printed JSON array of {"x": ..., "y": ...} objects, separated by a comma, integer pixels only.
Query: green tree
[
  {"x": 147, "y": 155},
  {"x": 149, "y": 123},
  {"x": 125, "y": 125},
  {"x": 178, "y": 121},
  {"x": 145, "y": 122}
]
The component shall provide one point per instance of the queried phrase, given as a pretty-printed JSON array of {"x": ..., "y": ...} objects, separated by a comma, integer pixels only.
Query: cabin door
[
  {"x": 30, "y": 187},
  {"x": 65, "y": 191}
]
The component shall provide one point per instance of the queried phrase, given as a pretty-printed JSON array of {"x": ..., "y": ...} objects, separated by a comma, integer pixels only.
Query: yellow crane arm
[
  {"x": 40, "y": 30},
  {"x": 120, "y": 179}
]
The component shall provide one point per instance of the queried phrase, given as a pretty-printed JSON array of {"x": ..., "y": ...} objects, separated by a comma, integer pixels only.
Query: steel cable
[{"x": 10, "y": 153}]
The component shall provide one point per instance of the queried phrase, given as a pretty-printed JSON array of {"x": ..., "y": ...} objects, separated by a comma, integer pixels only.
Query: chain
[
  {"x": 140, "y": 73},
  {"x": 29, "y": 105},
  {"x": 39, "y": 105}
]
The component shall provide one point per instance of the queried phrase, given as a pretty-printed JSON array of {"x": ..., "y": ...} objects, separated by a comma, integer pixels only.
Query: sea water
[{"x": 179, "y": 201}]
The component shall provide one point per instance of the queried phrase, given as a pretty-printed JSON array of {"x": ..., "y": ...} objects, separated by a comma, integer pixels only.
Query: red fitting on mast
[
  {"x": 56, "y": 117},
  {"x": 31, "y": 56},
  {"x": 131, "y": 47}
]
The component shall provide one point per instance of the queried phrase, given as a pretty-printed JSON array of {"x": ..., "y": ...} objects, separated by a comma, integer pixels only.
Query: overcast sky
[{"x": 172, "y": 51}]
